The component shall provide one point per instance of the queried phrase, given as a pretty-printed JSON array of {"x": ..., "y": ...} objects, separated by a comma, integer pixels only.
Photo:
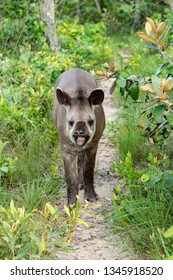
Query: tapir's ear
[
  {"x": 96, "y": 97},
  {"x": 63, "y": 97}
]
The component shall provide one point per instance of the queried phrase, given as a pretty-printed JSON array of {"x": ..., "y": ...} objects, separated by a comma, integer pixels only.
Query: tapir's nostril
[{"x": 78, "y": 133}]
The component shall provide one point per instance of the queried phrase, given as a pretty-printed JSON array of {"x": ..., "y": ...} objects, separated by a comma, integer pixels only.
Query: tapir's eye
[
  {"x": 71, "y": 123},
  {"x": 90, "y": 122}
]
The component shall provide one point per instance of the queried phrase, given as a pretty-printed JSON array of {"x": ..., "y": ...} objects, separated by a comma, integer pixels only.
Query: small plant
[
  {"x": 73, "y": 216},
  {"x": 27, "y": 235},
  {"x": 6, "y": 162},
  {"x": 143, "y": 205},
  {"x": 169, "y": 234},
  {"x": 36, "y": 234}
]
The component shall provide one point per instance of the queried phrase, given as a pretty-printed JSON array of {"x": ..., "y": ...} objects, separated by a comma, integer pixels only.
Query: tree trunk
[
  {"x": 49, "y": 17},
  {"x": 78, "y": 10},
  {"x": 98, "y": 6},
  {"x": 137, "y": 18},
  {"x": 169, "y": 3}
]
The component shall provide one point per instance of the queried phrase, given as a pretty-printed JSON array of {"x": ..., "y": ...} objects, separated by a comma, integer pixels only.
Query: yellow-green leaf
[
  {"x": 14, "y": 210},
  {"x": 169, "y": 232},
  {"x": 1, "y": 146},
  {"x": 81, "y": 222},
  {"x": 67, "y": 211},
  {"x": 49, "y": 209},
  {"x": 145, "y": 178},
  {"x": 43, "y": 244}
]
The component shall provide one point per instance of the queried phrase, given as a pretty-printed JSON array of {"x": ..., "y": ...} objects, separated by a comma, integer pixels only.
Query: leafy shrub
[
  {"x": 153, "y": 93},
  {"x": 36, "y": 234},
  {"x": 6, "y": 162},
  {"x": 144, "y": 208},
  {"x": 156, "y": 91},
  {"x": 21, "y": 24},
  {"x": 25, "y": 235},
  {"x": 84, "y": 41}
]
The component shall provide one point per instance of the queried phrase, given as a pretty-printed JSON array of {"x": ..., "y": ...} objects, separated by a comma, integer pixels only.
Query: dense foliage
[
  {"x": 145, "y": 167},
  {"x": 30, "y": 161}
]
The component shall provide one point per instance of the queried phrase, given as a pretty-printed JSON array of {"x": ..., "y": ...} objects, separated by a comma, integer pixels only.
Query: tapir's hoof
[
  {"x": 72, "y": 203},
  {"x": 91, "y": 197}
]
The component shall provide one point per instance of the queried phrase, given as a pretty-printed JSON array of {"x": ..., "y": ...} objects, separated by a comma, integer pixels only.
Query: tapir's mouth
[{"x": 81, "y": 140}]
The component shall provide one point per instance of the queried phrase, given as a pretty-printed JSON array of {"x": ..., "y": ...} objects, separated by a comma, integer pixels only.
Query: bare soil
[{"x": 96, "y": 242}]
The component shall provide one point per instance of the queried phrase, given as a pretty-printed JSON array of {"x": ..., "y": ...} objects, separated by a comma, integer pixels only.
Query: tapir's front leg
[
  {"x": 90, "y": 156},
  {"x": 71, "y": 174}
]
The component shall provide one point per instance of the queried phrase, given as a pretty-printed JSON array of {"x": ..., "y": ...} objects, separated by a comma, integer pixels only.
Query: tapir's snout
[{"x": 81, "y": 134}]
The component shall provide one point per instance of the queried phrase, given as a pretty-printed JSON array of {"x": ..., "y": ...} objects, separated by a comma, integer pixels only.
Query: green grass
[
  {"x": 127, "y": 136},
  {"x": 141, "y": 61},
  {"x": 144, "y": 219},
  {"x": 35, "y": 194}
]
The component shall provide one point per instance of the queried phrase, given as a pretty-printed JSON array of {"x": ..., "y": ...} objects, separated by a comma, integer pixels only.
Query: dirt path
[{"x": 96, "y": 241}]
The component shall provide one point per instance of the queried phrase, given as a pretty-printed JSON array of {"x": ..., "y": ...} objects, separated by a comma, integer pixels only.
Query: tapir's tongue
[{"x": 80, "y": 140}]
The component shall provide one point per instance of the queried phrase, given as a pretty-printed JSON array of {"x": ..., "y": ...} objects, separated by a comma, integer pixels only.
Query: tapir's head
[{"x": 80, "y": 115}]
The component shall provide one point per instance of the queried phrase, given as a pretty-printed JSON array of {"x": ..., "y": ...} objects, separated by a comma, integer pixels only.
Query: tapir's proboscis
[{"x": 80, "y": 120}]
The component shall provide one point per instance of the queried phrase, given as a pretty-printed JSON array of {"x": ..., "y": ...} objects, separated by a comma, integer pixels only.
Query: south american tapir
[{"x": 80, "y": 120}]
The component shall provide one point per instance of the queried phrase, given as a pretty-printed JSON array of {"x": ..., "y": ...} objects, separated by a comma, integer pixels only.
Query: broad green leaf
[
  {"x": 24, "y": 251},
  {"x": 161, "y": 68},
  {"x": 157, "y": 112},
  {"x": 169, "y": 116},
  {"x": 4, "y": 169},
  {"x": 168, "y": 180},
  {"x": 134, "y": 91},
  {"x": 156, "y": 85},
  {"x": 149, "y": 46},
  {"x": 121, "y": 82},
  {"x": 168, "y": 233}
]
